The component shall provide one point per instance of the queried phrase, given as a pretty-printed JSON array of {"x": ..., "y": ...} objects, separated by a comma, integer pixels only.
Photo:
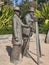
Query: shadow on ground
[{"x": 9, "y": 50}]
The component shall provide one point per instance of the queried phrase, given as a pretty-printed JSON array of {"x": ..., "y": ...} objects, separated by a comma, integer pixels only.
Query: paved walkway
[
  {"x": 6, "y": 46},
  {"x": 4, "y": 38}
]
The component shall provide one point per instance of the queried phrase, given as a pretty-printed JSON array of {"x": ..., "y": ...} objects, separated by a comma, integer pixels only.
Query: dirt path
[{"x": 6, "y": 46}]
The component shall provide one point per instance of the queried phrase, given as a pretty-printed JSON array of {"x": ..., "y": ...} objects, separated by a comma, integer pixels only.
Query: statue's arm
[
  {"x": 20, "y": 21},
  {"x": 24, "y": 25}
]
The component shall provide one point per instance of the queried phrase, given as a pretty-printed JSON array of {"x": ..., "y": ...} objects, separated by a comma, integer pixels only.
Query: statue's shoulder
[{"x": 15, "y": 16}]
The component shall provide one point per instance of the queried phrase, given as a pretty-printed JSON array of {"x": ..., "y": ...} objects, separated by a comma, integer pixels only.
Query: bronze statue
[
  {"x": 27, "y": 32},
  {"x": 17, "y": 40}
]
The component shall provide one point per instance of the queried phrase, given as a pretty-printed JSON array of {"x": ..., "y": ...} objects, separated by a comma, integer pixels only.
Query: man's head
[{"x": 16, "y": 10}]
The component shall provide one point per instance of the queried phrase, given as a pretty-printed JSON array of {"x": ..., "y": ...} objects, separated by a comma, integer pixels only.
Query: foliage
[
  {"x": 6, "y": 17},
  {"x": 43, "y": 15},
  {"x": 43, "y": 28},
  {"x": 47, "y": 21},
  {"x": 44, "y": 12},
  {"x": 41, "y": 1},
  {"x": 24, "y": 7},
  {"x": 6, "y": 31},
  {"x": 9, "y": 2}
]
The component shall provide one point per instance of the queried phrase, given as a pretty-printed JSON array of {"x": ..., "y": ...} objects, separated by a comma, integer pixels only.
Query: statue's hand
[{"x": 16, "y": 39}]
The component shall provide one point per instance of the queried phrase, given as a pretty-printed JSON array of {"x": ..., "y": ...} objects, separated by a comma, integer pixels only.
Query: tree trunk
[{"x": 47, "y": 37}]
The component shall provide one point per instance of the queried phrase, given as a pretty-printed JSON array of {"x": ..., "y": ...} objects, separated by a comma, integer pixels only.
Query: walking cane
[{"x": 38, "y": 43}]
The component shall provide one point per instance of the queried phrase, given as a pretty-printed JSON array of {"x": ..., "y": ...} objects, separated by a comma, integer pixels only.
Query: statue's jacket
[{"x": 17, "y": 30}]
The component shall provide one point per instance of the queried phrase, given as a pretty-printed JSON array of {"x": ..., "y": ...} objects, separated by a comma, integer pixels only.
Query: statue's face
[
  {"x": 17, "y": 13},
  {"x": 32, "y": 14}
]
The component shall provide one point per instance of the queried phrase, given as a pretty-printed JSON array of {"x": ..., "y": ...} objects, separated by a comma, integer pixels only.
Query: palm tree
[
  {"x": 44, "y": 12},
  {"x": 44, "y": 15}
]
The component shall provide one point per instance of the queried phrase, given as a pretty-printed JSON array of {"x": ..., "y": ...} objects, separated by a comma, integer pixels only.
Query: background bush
[
  {"x": 6, "y": 14},
  {"x": 43, "y": 13}
]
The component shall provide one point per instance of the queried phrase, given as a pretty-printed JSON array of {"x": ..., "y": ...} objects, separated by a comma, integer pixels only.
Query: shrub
[
  {"x": 43, "y": 15},
  {"x": 6, "y": 16}
]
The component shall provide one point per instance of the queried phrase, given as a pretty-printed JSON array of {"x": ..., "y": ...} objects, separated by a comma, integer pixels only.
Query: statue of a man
[
  {"x": 17, "y": 36},
  {"x": 27, "y": 33}
]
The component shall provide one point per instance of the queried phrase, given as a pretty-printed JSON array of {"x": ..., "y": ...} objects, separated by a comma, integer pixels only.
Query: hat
[
  {"x": 1, "y": 3},
  {"x": 31, "y": 9},
  {"x": 16, "y": 8}
]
